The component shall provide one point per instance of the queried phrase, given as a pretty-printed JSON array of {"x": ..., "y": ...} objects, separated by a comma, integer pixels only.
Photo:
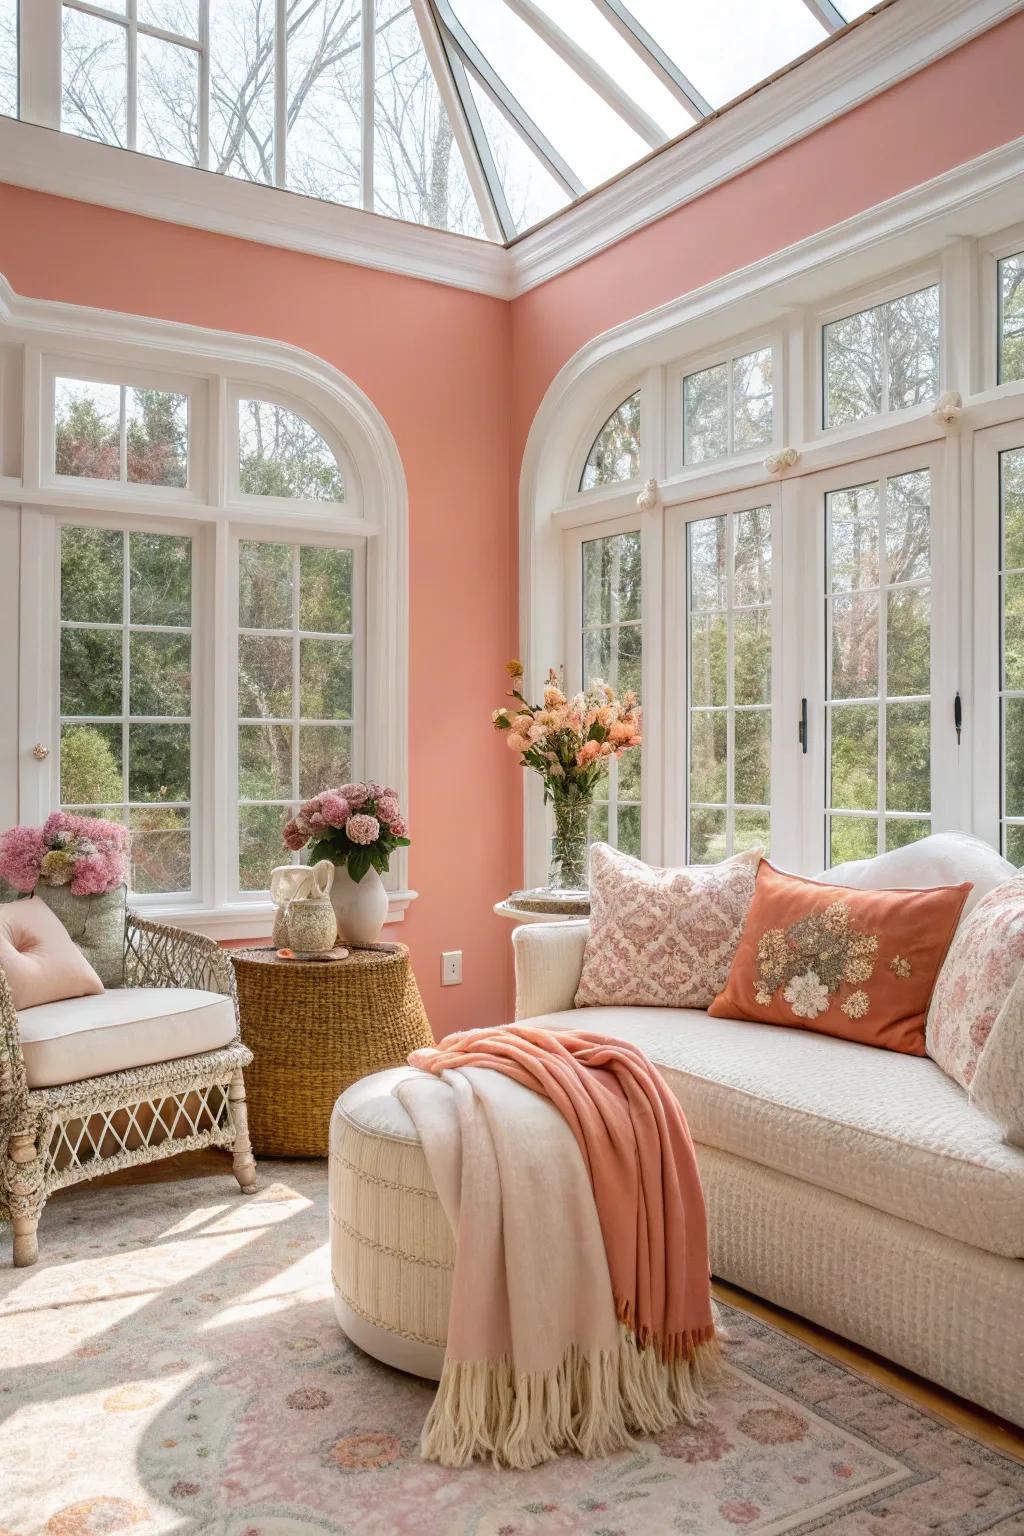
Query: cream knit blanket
[{"x": 537, "y": 1362}]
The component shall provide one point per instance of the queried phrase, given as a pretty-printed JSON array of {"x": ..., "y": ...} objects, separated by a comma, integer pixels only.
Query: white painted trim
[
  {"x": 247, "y": 920},
  {"x": 873, "y": 54},
  {"x": 66, "y": 166},
  {"x": 923, "y": 229},
  {"x": 44, "y": 330}
]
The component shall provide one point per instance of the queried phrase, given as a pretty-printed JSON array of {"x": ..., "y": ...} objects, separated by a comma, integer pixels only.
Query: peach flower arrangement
[{"x": 569, "y": 742}]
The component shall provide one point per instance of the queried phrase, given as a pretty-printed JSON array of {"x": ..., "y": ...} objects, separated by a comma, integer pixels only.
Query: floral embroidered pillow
[
  {"x": 984, "y": 961},
  {"x": 857, "y": 964},
  {"x": 662, "y": 938}
]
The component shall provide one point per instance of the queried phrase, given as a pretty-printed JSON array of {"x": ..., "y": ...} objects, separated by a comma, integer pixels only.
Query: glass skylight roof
[{"x": 482, "y": 117}]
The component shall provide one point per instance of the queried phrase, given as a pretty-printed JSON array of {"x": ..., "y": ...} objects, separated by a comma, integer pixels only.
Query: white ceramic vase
[{"x": 361, "y": 906}]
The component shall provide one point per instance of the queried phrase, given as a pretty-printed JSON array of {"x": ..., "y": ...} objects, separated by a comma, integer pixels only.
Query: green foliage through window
[
  {"x": 126, "y": 692},
  {"x": 729, "y": 597},
  {"x": 280, "y": 454}
]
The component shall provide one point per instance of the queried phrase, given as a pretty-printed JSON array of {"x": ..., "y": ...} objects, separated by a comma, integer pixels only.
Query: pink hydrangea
[
  {"x": 398, "y": 827},
  {"x": 96, "y": 873},
  {"x": 363, "y": 829},
  {"x": 355, "y": 794},
  {"x": 387, "y": 808},
  {"x": 334, "y": 808},
  {"x": 292, "y": 837},
  {"x": 21, "y": 855}
]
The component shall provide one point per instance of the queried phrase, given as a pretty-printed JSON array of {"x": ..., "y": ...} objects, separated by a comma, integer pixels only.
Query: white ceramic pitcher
[{"x": 297, "y": 882}]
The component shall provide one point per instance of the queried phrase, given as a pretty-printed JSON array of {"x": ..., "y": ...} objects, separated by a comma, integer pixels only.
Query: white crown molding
[
  {"x": 46, "y": 160},
  {"x": 877, "y": 54}
]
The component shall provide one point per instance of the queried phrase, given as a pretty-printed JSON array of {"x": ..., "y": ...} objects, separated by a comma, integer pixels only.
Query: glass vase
[{"x": 569, "y": 845}]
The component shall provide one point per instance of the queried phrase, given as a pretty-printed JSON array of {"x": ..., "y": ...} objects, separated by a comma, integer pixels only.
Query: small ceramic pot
[{"x": 312, "y": 926}]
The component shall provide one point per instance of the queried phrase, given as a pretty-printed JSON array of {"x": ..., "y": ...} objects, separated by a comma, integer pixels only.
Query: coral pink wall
[
  {"x": 435, "y": 362},
  {"x": 968, "y": 102}
]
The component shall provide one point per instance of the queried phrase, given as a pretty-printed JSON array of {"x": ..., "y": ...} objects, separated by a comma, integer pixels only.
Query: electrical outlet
[{"x": 451, "y": 968}]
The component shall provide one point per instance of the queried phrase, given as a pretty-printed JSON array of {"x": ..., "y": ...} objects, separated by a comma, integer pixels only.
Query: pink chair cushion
[{"x": 41, "y": 961}]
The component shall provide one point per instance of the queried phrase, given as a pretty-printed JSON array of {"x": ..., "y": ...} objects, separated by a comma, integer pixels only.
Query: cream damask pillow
[
  {"x": 662, "y": 938},
  {"x": 984, "y": 962}
]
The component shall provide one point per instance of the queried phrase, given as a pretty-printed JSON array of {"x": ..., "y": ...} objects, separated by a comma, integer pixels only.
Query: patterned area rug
[{"x": 173, "y": 1364}]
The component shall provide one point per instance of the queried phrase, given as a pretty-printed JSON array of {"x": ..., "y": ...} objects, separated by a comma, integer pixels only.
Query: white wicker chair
[{"x": 51, "y": 1137}]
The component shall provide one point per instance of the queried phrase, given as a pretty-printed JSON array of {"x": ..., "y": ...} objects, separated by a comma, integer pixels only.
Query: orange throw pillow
[{"x": 857, "y": 964}]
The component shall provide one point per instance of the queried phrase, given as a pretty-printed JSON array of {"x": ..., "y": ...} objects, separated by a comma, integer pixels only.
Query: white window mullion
[
  {"x": 39, "y": 64},
  {"x": 133, "y": 75},
  {"x": 368, "y": 88},
  {"x": 281, "y": 95},
  {"x": 204, "y": 84}
]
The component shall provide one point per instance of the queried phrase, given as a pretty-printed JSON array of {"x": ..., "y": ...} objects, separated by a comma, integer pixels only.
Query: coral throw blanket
[{"x": 581, "y": 1301}]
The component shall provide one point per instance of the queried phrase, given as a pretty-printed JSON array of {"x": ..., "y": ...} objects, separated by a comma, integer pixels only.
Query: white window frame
[
  {"x": 40, "y": 667},
  {"x": 991, "y": 252},
  {"x": 678, "y": 517},
  {"x": 856, "y": 302},
  {"x": 577, "y": 466},
  {"x": 650, "y": 538},
  {"x": 984, "y": 704},
  {"x": 675, "y": 427},
  {"x": 92, "y": 371},
  {"x": 297, "y": 538},
  {"x": 946, "y": 789},
  {"x": 286, "y": 506},
  {"x": 39, "y": 340}
]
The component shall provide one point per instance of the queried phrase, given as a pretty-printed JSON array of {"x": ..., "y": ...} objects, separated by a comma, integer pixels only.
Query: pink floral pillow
[
  {"x": 984, "y": 960},
  {"x": 662, "y": 938}
]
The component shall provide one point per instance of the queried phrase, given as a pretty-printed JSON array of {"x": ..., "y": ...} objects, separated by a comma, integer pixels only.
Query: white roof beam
[
  {"x": 517, "y": 117},
  {"x": 829, "y": 15},
  {"x": 596, "y": 76},
  {"x": 494, "y": 214},
  {"x": 654, "y": 56}
]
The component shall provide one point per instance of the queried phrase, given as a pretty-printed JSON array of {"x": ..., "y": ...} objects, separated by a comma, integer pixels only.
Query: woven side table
[{"x": 316, "y": 1026}]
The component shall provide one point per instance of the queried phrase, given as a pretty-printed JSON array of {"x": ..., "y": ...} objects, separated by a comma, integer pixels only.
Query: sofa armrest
[
  {"x": 157, "y": 955},
  {"x": 549, "y": 959}
]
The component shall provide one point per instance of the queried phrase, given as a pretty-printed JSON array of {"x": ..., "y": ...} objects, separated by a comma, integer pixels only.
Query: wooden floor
[{"x": 972, "y": 1421}]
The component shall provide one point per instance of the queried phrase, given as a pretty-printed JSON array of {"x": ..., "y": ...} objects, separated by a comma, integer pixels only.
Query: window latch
[
  {"x": 802, "y": 726},
  {"x": 958, "y": 716}
]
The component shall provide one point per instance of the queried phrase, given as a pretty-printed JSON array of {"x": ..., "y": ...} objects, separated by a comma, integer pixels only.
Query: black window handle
[
  {"x": 958, "y": 717},
  {"x": 802, "y": 727}
]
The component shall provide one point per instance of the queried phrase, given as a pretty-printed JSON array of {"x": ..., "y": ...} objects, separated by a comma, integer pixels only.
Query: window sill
[{"x": 246, "y": 920}]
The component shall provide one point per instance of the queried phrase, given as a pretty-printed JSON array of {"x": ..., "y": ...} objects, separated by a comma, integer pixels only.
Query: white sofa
[{"x": 854, "y": 1186}]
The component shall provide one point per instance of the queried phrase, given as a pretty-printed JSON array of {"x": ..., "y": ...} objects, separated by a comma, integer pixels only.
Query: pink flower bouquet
[
  {"x": 83, "y": 852},
  {"x": 358, "y": 825}
]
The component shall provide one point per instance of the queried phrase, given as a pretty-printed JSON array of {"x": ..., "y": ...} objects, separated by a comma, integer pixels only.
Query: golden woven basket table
[{"x": 314, "y": 1027}]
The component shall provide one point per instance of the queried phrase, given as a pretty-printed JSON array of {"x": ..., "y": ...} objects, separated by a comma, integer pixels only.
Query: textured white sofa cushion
[
  {"x": 890, "y": 1131},
  {"x": 945, "y": 858},
  {"x": 119, "y": 1029}
]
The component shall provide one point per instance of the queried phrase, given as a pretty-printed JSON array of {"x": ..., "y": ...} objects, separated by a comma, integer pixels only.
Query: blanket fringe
[{"x": 593, "y": 1403}]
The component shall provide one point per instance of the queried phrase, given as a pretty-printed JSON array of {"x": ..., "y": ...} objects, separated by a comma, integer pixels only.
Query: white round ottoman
[{"x": 392, "y": 1250}]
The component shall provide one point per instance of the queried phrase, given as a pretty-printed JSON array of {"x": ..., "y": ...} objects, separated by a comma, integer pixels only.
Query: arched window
[
  {"x": 216, "y": 635},
  {"x": 615, "y": 454},
  {"x": 282, "y": 454}
]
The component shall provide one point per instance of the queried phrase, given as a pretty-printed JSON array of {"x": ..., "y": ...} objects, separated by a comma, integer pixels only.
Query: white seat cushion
[
  {"x": 888, "y": 1130},
  {"x": 123, "y": 1028}
]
